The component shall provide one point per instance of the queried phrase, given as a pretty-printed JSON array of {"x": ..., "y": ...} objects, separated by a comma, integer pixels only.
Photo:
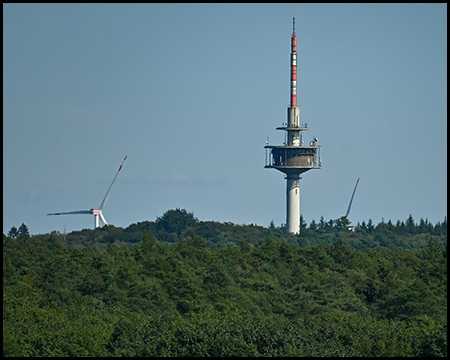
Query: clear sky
[{"x": 190, "y": 92}]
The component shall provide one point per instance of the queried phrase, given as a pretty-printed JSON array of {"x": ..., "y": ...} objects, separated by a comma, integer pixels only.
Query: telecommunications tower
[{"x": 293, "y": 158}]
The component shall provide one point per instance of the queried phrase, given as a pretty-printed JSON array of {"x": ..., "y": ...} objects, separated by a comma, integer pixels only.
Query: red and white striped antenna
[{"x": 293, "y": 64}]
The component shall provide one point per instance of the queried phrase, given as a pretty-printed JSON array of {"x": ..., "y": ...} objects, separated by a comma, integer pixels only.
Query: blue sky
[{"x": 190, "y": 92}]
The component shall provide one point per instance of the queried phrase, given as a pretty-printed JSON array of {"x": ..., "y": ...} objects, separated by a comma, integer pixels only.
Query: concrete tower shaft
[
  {"x": 293, "y": 203},
  {"x": 293, "y": 158}
]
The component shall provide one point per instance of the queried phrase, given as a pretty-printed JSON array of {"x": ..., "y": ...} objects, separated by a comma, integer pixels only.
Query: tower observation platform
[{"x": 293, "y": 158}]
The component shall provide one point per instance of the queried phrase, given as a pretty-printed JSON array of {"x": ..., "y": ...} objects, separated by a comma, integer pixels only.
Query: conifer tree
[{"x": 23, "y": 231}]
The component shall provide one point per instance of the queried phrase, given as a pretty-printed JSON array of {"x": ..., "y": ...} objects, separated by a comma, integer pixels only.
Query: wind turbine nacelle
[{"x": 95, "y": 212}]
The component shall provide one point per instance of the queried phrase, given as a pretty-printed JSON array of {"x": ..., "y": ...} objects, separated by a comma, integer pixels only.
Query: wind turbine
[
  {"x": 349, "y": 205},
  {"x": 98, "y": 213}
]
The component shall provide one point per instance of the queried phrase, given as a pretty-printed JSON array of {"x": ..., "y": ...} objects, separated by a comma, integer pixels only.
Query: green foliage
[
  {"x": 174, "y": 221},
  {"x": 13, "y": 232},
  {"x": 23, "y": 231},
  {"x": 175, "y": 224},
  {"x": 326, "y": 292}
]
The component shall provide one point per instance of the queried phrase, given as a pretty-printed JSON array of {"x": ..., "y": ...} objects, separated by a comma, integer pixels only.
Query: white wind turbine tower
[{"x": 98, "y": 213}]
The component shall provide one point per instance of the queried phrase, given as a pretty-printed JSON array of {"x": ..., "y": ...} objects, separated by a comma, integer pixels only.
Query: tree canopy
[{"x": 221, "y": 289}]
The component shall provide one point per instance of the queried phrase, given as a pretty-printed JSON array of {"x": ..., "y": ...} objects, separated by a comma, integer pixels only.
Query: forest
[{"x": 183, "y": 287}]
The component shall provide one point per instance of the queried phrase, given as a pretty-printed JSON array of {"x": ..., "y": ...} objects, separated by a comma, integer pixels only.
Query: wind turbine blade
[
  {"x": 110, "y": 186},
  {"x": 103, "y": 219},
  {"x": 351, "y": 200},
  {"x": 72, "y": 212}
]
